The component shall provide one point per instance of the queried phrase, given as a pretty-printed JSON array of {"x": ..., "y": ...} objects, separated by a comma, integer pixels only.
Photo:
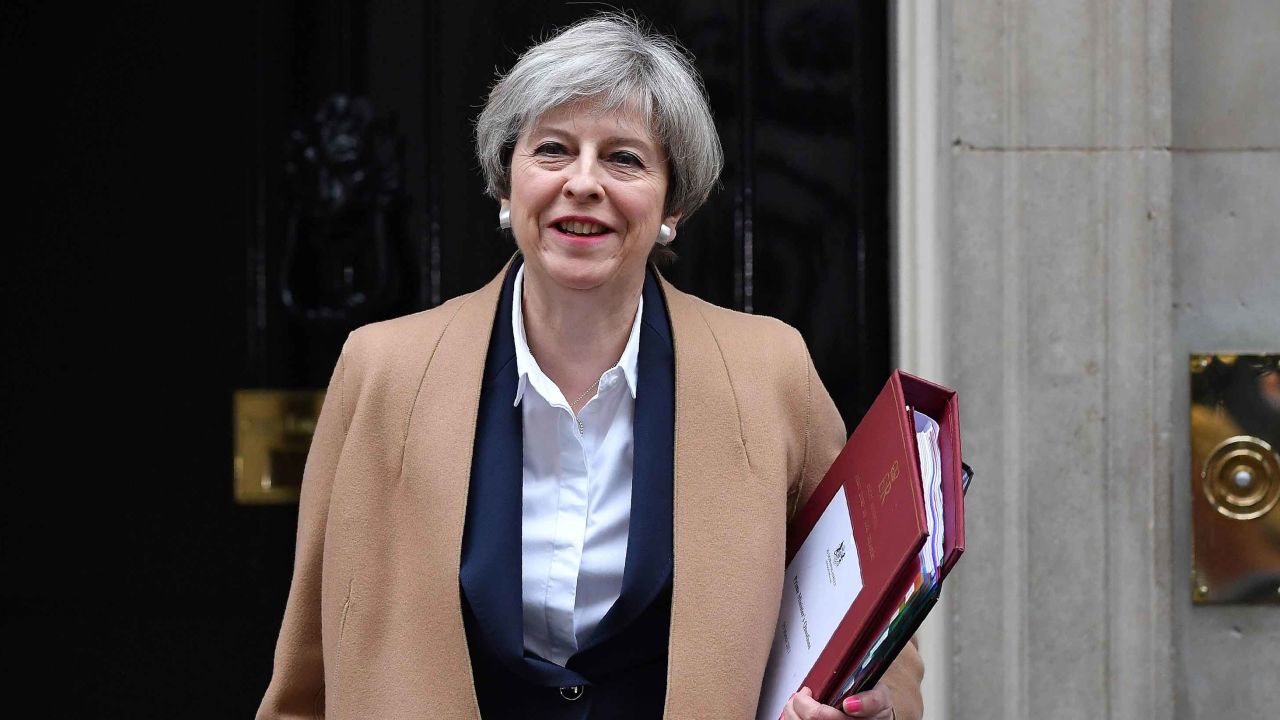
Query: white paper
[
  {"x": 821, "y": 582},
  {"x": 927, "y": 433}
]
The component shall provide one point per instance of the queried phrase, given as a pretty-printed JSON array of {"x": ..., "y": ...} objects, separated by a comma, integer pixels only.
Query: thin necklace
[
  {"x": 582, "y": 429},
  {"x": 584, "y": 393}
]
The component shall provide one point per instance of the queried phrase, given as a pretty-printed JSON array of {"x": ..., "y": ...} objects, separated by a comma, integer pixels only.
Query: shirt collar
[{"x": 527, "y": 366}]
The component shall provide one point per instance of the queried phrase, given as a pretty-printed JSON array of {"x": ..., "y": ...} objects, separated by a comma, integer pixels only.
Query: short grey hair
[{"x": 614, "y": 60}]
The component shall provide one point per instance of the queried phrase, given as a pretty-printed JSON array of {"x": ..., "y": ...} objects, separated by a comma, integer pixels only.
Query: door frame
[{"x": 918, "y": 255}]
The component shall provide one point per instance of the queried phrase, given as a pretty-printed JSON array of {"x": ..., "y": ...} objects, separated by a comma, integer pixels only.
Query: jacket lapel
[
  {"x": 434, "y": 478},
  {"x": 491, "y": 546},
  {"x": 648, "y": 563},
  {"x": 718, "y": 530},
  {"x": 490, "y": 570}
]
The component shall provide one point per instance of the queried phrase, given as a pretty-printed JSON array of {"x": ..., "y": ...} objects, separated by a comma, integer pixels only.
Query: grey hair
[{"x": 614, "y": 60}]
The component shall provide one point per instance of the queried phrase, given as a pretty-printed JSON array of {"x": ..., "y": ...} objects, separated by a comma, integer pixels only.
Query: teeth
[{"x": 581, "y": 228}]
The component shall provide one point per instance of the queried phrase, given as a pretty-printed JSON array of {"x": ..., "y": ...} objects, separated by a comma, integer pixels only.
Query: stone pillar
[
  {"x": 1226, "y": 295},
  {"x": 1055, "y": 214}
]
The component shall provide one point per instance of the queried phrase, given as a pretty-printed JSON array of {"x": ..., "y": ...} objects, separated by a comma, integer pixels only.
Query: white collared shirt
[{"x": 576, "y": 509}]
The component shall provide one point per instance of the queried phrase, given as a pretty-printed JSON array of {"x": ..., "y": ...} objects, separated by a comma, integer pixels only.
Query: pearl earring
[
  {"x": 664, "y": 234},
  {"x": 504, "y": 218}
]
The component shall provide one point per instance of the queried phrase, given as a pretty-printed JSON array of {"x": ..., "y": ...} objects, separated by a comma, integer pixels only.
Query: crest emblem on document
[
  {"x": 886, "y": 483},
  {"x": 838, "y": 555}
]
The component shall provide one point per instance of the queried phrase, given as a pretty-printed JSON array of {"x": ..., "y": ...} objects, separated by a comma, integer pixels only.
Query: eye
[
  {"x": 627, "y": 159},
  {"x": 549, "y": 148}
]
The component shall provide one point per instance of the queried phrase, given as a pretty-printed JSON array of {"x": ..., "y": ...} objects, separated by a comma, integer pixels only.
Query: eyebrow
[{"x": 628, "y": 140}]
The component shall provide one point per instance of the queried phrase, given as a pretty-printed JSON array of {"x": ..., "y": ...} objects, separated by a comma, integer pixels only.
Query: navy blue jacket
[{"x": 620, "y": 673}]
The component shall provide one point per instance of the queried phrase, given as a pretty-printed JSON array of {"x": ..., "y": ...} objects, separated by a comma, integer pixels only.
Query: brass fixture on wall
[
  {"x": 273, "y": 430},
  {"x": 1235, "y": 478}
]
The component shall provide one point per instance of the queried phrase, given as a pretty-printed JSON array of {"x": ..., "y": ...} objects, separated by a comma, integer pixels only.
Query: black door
[{"x": 183, "y": 230}]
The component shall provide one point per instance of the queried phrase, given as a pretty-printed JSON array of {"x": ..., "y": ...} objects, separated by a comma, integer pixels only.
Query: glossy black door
[
  {"x": 798, "y": 231},
  {"x": 175, "y": 237}
]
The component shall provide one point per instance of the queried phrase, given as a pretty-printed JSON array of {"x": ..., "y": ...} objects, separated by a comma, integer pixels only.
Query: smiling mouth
[{"x": 581, "y": 229}]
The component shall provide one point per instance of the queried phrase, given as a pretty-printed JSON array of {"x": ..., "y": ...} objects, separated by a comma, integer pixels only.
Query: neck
[{"x": 575, "y": 335}]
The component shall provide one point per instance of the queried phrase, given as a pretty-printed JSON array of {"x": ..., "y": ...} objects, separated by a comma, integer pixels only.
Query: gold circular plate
[{"x": 1241, "y": 478}]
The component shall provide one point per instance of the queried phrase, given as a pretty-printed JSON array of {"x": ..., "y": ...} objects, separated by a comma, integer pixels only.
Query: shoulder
[
  {"x": 769, "y": 375},
  {"x": 387, "y": 359},
  {"x": 400, "y": 337},
  {"x": 764, "y": 359},
  {"x": 758, "y": 345}
]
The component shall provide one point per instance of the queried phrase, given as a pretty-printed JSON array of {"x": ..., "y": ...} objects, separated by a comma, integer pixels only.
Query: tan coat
[{"x": 373, "y": 627}]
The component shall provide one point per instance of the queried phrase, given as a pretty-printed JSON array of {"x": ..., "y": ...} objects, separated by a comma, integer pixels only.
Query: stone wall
[
  {"x": 1058, "y": 221},
  {"x": 1109, "y": 202},
  {"x": 1226, "y": 296}
]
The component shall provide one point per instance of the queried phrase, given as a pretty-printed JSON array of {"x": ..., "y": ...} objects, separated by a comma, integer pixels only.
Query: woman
[{"x": 565, "y": 494}]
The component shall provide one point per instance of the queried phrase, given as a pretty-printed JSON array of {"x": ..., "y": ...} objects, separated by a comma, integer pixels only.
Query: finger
[
  {"x": 872, "y": 703},
  {"x": 806, "y": 708},
  {"x": 789, "y": 710}
]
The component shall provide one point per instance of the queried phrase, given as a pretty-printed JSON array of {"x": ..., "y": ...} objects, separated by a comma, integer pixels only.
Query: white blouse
[{"x": 577, "y": 496}]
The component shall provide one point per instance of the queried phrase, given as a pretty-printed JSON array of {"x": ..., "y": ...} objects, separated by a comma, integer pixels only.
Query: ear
[
  {"x": 672, "y": 221},
  {"x": 504, "y": 203}
]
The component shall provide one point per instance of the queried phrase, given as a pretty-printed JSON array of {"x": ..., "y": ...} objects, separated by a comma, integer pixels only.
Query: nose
[{"x": 582, "y": 184}]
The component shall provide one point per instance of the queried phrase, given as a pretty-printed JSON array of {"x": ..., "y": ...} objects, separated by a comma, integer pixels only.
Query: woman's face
[{"x": 587, "y": 195}]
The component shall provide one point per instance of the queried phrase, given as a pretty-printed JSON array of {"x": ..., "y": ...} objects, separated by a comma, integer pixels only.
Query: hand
[{"x": 874, "y": 704}]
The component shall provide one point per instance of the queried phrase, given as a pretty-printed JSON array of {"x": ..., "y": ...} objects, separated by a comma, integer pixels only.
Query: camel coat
[{"x": 373, "y": 627}]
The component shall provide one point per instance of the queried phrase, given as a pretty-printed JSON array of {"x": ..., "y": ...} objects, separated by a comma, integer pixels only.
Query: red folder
[{"x": 880, "y": 471}]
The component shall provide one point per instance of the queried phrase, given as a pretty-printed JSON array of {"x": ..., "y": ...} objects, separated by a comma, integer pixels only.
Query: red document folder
[{"x": 879, "y": 469}]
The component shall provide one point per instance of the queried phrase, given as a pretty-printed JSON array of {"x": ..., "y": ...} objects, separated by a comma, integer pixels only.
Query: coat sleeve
[
  {"x": 297, "y": 681},
  {"x": 824, "y": 438}
]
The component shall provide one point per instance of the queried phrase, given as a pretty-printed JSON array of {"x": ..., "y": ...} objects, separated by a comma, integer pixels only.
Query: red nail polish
[{"x": 852, "y": 705}]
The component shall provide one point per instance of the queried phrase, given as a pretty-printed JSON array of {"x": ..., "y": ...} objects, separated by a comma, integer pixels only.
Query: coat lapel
[
  {"x": 491, "y": 545},
  {"x": 426, "y": 536},
  {"x": 490, "y": 570},
  {"x": 648, "y": 563},
  {"x": 720, "y": 536}
]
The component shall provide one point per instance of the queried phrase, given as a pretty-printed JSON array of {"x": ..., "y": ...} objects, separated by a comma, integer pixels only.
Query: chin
[
  {"x": 579, "y": 273},
  {"x": 582, "y": 268}
]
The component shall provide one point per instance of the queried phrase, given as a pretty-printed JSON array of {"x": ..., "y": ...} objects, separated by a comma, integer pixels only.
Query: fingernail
[{"x": 852, "y": 705}]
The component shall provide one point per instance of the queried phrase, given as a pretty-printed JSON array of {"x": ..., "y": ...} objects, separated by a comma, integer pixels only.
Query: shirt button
[{"x": 571, "y": 693}]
